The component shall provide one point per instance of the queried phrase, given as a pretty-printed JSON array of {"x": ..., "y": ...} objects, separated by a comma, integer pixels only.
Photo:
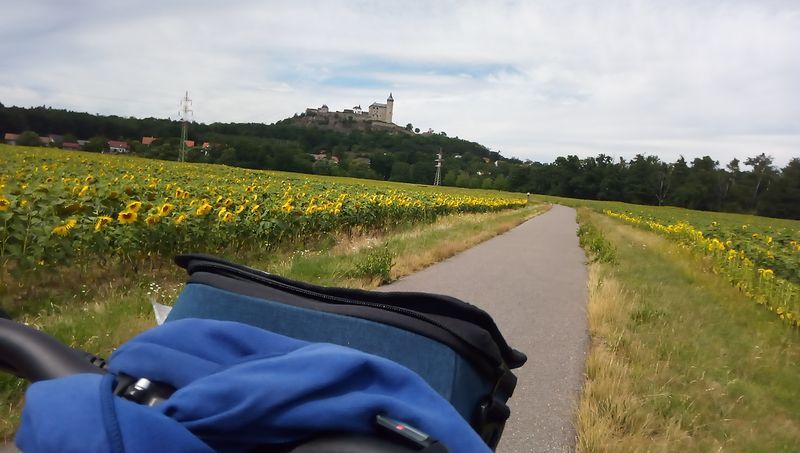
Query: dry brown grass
[
  {"x": 463, "y": 232},
  {"x": 679, "y": 360}
]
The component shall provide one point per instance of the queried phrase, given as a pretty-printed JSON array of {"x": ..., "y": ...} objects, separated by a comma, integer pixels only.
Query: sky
[{"x": 532, "y": 80}]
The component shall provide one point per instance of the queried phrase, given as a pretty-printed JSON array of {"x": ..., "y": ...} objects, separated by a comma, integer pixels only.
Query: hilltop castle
[{"x": 376, "y": 112}]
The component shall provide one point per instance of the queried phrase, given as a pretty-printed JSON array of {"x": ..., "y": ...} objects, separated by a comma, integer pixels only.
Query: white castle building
[
  {"x": 376, "y": 112},
  {"x": 382, "y": 112}
]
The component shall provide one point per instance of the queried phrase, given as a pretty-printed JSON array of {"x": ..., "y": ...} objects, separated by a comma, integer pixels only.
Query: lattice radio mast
[
  {"x": 186, "y": 110},
  {"x": 438, "y": 180}
]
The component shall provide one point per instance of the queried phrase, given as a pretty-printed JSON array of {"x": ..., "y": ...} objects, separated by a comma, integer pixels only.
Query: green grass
[
  {"x": 680, "y": 361},
  {"x": 97, "y": 308},
  {"x": 675, "y": 214}
]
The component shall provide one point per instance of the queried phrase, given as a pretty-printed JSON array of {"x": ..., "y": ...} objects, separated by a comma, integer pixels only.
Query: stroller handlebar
[{"x": 36, "y": 356}]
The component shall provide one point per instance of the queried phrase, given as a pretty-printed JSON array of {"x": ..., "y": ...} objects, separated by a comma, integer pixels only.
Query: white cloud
[{"x": 534, "y": 80}]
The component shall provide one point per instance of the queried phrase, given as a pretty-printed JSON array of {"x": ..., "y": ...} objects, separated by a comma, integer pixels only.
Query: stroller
[{"x": 250, "y": 361}]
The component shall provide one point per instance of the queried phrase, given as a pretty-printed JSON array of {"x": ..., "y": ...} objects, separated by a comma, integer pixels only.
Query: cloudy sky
[{"x": 532, "y": 80}]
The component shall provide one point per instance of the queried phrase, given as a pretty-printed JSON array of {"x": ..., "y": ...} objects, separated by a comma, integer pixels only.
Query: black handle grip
[{"x": 36, "y": 356}]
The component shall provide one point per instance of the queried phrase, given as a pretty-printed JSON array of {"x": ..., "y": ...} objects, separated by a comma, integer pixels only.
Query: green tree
[
  {"x": 29, "y": 138},
  {"x": 401, "y": 171},
  {"x": 360, "y": 169},
  {"x": 381, "y": 163},
  {"x": 463, "y": 179},
  {"x": 322, "y": 167},
  {"x": 782, "y": 198},
  {"x": 501, "y": 182},
  {"x": 97, "y": 144},
  {"x": 762, "y": 170}
]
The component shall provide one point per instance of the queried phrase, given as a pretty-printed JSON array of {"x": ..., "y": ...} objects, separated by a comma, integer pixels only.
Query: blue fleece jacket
[{"x": 238, "y": 386}]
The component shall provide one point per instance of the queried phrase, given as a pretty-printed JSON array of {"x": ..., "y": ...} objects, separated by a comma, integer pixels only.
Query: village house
[
  {"x": 117, "y": 146},
  {"x": 319, "y": 155},
  {"x": 10, "y": 138}
]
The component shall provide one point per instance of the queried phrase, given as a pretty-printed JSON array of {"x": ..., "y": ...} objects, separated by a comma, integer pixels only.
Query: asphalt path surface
[{"x": 532, "y": 281}]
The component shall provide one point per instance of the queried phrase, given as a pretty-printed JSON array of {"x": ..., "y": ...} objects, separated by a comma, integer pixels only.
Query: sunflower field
[
  {"x": 60, "y": 207},
  {"x": 758, "y": 255}
]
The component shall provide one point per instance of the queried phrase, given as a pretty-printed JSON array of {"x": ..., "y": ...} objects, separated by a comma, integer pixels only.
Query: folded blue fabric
[{"x": 238, "y": 387}]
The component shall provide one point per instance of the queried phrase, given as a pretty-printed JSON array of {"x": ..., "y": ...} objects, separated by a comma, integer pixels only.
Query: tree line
[{"x": 754, "y": 185}]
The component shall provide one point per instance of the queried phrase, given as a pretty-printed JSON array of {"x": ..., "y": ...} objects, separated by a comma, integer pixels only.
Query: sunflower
[
  {"x": 60, "y": 230},
  {"x": 134, "y": 206},
  {"x": 125, "y": 217},
  {"x": 151, "y": 220},
  {"x": 5, "y": 204},
  {"x": 165, "y": 209},
  {"x": 101, "y": 222},
  {"x": 63, "y": 229},
  {"x": 287, "y": 207},
  {"x": 180, "y": 219},
  {"x": 204, "y": 209}
]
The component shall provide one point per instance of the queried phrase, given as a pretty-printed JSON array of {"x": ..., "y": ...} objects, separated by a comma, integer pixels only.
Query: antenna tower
[
  {"x": 186, "y": 110},
  {"x": 438, "y": 180}
]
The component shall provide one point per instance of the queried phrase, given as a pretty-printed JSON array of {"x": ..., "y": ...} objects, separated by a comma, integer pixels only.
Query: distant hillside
[
  {"x": 328, "y": 143},
  {"x": 344, "y": 123}
]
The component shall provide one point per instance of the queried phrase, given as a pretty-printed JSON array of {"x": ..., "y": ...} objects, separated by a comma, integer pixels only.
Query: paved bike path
[{"x": 532, "y": 280}]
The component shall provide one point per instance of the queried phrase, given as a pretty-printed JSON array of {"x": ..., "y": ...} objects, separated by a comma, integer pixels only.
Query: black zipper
[{"x": 255, "y": 275}]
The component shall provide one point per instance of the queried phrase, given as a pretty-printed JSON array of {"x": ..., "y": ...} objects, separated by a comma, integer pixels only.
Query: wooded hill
[{"x": 754, "y": 185}]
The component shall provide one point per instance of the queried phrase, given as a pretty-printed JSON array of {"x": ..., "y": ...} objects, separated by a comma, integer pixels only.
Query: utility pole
[
  {"x": 438, "y": 180},
  {"x": 185, "y": 111}
]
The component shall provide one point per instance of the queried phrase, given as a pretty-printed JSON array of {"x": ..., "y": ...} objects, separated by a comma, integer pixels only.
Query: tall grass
[{"x": 679, "y": 361}]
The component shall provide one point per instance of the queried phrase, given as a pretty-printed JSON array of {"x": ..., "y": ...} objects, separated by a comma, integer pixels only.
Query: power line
[
  {"x": 184, "y": 113},
  {"x": 438, "y": 180}
]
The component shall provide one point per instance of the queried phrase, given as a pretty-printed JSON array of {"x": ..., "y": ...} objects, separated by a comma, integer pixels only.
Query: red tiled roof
[
  {"x": 118, "y": 144},
  {"x": 148, "y": 140},
  {"x": 10, "y": 136},
  {"x": 206, "y": 145},
  {"x": 71, "y": 145},
  {"x": 189, "y": 143}
]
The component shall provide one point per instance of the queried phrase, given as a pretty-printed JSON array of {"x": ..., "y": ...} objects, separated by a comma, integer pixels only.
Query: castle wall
[{"x": 377, "y": 112}]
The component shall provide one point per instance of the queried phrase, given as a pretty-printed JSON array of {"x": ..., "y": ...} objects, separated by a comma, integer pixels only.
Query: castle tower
[{"x": 389, "y": 108}]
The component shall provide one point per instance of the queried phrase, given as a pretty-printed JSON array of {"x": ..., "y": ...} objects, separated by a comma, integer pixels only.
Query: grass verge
[
  {"x": 679, "y": 361},
  {"x": 97, "y": 308}
]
